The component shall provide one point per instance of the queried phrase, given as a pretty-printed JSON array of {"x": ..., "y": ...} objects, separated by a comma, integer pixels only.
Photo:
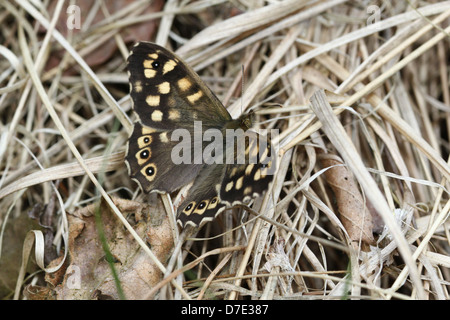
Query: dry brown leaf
[
  {"x": 56, "y": 277},
  {"x": 11, "y": 251},
  {"x": 88, "y": 275},
  {"x": 354, "y": 215},
  {"x": 38, "y": 293}
]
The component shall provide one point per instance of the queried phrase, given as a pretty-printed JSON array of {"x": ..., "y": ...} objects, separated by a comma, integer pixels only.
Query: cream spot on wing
[
  {"x": 138, "y": 86},
  {"x": 143, "y": 155},
  {"x": 164, "y": 88},
  {"x": 157, "y": 116},
  {"x": 153, "y": 55},
  {"x": 239, "y": 183},
  {"x": 264, "y": 155},
  {"x": 201, "y": 207},
  {"x": 149, "y": 73},
  {"x": 163, "y": 137},
  {"x": 213, "y": 203},
  {"x": 247, "y": 190},
  {"x": 194, "y": 97},
  {"x": 184, "y": 84},
  {"x": 229, "y": 186},
  {"x": 147, "y": 130},
  {"x": 254, "y": 151},
  {"x": 257, "y": 175},
  {"x": 152, "y": 101},
  {"x": 149, "y": 171},
  {"x": 189, "y": 208},
  {"x": 249, "y": 169},
  {"x": 148, "y": 64},
  {"x": 169, "y": 66},
  {"x": 174, "y": 115}
]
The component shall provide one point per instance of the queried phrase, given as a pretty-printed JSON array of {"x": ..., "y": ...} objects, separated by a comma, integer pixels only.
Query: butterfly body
[{"x": 180, "y": 138}]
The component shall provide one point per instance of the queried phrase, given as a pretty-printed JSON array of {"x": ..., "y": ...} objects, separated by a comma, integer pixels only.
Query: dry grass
[{"x": 359, "y": 205}]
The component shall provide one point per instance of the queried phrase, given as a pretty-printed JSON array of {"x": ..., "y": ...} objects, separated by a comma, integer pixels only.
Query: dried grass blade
[
  {"x": 339, "y": 138},
  {"x": 97, "y": 164}
]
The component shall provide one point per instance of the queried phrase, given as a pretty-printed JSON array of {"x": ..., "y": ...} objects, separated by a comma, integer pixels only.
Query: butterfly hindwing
[
  {"x": 243, "y": 181},
  {"x": 238, "y": 183},
  {"x": 202, "y": 202}
]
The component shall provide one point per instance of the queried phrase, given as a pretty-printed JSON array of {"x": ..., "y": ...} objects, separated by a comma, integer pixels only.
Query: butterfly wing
[
  {"x": 238, "y": 183},
  {"x": 168, "y": 98},
  {"x": 202, "y": 202},
  {"x": 243, "y": 182},
  {"x": 149, "y": 154},
  {"x": 167, "y": 94}
]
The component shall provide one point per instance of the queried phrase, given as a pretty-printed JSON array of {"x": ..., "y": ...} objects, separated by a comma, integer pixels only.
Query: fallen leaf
[
  {"x": 354, "y": 215},
  {"x": 88, "y": 274}
]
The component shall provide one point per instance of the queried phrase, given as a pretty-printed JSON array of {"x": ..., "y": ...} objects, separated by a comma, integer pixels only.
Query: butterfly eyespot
[
  {"x": 213, "y": 203},
  {"x": 189, "y": 208},
  {"x": 150, "y": 171},
  {"x": 202, "y": 205},
  {"x": 144, "y": 141},
  {"x": 145, "y": 154},
  {"x": 155, "y": 64}
]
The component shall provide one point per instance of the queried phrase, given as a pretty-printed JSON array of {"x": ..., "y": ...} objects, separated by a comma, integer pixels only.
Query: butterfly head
[{"x": 244, "y": 122}]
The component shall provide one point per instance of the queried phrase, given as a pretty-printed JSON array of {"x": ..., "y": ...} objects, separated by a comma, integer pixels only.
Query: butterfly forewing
[
  {"x": 149, "y": 161},
  {"x": 169, "y": 95}
]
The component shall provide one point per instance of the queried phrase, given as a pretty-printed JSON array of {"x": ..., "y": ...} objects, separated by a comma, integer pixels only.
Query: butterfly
[{"x": 181, "y": 137}]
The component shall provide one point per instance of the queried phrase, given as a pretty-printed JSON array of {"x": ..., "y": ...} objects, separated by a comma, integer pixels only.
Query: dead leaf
[
  {"x": 88, "y": 275},
  {"x": 354, "y": 215},
  {"x": 11, "y": 255},
  {"x": 38, "y": 293}
]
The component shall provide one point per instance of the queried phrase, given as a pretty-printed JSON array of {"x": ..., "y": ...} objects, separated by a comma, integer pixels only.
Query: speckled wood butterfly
[{"x": 182, "y": 136}]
